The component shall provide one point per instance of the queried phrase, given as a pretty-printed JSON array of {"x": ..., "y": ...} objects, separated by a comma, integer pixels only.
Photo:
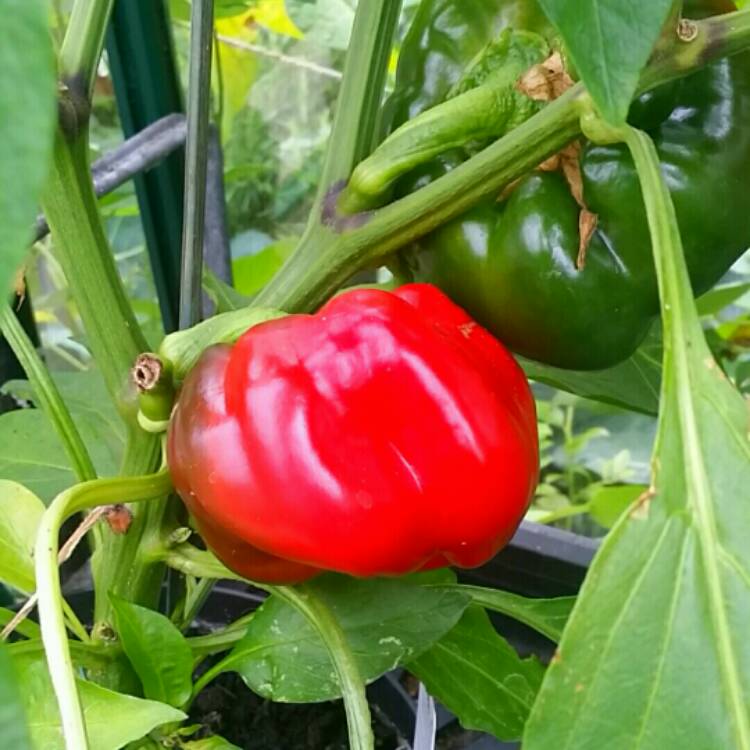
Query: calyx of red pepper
[{"x": 157, "y": 376}]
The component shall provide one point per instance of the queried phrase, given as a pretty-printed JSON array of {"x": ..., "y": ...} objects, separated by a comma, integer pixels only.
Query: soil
[{"x": 228, "y": 708}]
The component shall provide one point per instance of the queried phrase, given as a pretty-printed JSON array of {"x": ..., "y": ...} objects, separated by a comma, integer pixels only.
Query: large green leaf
[
  {"x": 13, "y": 732},
  {"x": 476, "y": 674},
  {"x": 157, "y": 650},
  {"x": 27, "y": 119},
  {"x": 385, "y": 621},
  {"x": 20, "y": 513},
  {"x": 609, "y": 42},
  {"x": 112, "y": 719},
  {"x": 655, "y": 654}
]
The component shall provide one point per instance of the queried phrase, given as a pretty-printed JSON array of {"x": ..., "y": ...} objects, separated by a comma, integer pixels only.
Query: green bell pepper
[{"x": 512, "y": 262}]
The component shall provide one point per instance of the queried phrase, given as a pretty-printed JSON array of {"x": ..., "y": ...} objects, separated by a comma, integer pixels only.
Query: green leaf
[
  {"x": 20, "y": 513},
  {"x": 717, "y": 299},
  {"x": 609, "y": 42},
  {"x": 93, "y": 411},
  {"x": 252, "y": 272},
  {"x": 478, "y": 676},
  {"x": 608, "y": 503},
  {"x": 385, "y": 621},
  {"x": 546, "y": 616},
  {"x": 31, "y": 453},
  {"x": 157, "y": 650},
  {"x": 655, "y": 654},
  {"x": 633, "y": 384},
  {"x": 112, "y": 719},
  {"x": 30, "y": 450},
  {"x": 225, "y": 297},
  {"x": 27, "y": 120},
  {"x": 210, "y": 743},
  {"x": 13, "y": 732}
]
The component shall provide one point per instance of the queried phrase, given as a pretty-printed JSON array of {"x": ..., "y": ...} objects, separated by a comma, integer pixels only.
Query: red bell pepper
[{"x": 385, "y": 434}]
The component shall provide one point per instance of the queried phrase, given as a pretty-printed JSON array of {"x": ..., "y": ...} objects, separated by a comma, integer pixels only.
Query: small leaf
[
  {"x": 546, "y": 616},
  {"x": 157, "y": 650},
  {"x": 475, "y": 674},
  {"x": 609, "y": 42},
  {"x": 225, "y": 297},
  {"x": 20, "y": 513},
  {"x": 27, "y": 120},
  {"x": 112, "y": 719},
  {"x": 717, "y": 299},
  {"x": 210, "y": 743},
  {"x": 386, "y": 621},
  {"x": 633, "y": 384},
  {"x": 252, "y": 272},
  {"x": 608, "y": 503},
  {"x": 13, "y": 732}
]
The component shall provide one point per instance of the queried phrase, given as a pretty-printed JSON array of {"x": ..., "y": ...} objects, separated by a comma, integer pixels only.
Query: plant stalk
[
  {"x": 51, "y": 614},
  {"x": 196, "y": 157}
]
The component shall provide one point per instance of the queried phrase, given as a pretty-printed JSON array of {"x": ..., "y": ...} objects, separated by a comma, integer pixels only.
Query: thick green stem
[
  {"x": 81, "y": 246},
  {"x": 196, "y": 155},
  {"x": 79, "y": 57},
  {"x": 366, "y": 240},
  {"x": 115, "y": 339},
  {"x": 344, "y": 663},
  {"x": 49, "y": 396},
  {"x": 51, "y": 614}
]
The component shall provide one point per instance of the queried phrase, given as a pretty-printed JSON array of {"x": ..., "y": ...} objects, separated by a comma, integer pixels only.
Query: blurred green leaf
[
  {"x": 13, "y": 732},
  {"x": 225, "y": 297},
  {"x": 157, "y": 650},
  {"x": 20, "y": 513},
  {"x": 30, "y": 450},
  {"x": 478, "y": 676},
  {"x": 328, "y": 23},
  {"x": 27, "y": 120},
  {"x": 722, "y": 296},
  {"x": 31, "y": 453},
  {"x": 252, "y": 272},
  {"x": 385, "y": 621}
]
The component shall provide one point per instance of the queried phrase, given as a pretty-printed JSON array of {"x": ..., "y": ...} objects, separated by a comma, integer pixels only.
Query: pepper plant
[{"x": 572, "y": 170}]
